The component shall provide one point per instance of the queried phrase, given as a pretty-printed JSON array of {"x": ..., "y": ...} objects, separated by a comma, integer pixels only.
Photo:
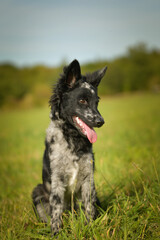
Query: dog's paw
[{"x": 55, "y": 228}]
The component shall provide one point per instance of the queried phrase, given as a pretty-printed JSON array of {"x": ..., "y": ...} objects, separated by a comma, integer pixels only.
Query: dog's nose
[{"x": 99, "y": 121}]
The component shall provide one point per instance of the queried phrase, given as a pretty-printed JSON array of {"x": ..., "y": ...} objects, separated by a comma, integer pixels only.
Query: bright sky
[{"x": 51, "y": 31}]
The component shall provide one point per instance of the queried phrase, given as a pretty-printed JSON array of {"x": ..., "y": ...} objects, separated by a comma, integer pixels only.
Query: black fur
[{"x": 68, "y": 162}]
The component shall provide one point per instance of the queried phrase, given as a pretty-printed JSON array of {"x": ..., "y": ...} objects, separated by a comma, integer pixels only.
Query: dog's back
[{"x": 68, "y": 162}]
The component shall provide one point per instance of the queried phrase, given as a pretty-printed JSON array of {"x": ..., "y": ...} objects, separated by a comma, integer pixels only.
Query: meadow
[{"x": 127, "y": 173}]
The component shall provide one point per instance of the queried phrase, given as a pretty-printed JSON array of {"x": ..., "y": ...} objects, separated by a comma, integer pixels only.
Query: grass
[{"x": 127, "y": 172}]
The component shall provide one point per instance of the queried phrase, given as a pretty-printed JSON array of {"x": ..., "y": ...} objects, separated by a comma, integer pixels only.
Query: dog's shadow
[{"x": 106, "y": 199}]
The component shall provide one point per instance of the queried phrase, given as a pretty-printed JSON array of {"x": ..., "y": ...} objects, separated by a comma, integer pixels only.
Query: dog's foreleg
[
  {"x": 56, "y": 203},
  {"x": 89, "y": 198}
]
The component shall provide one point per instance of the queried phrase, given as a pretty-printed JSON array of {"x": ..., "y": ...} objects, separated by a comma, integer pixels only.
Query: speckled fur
[{"x": 68, "y": 162}]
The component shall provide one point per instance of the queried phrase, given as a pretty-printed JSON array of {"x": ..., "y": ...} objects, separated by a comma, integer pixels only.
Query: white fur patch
[
  {"x": 73, "y": 178},
  {"x": 88, "y": 86},
  {"x": 88, "y": 114},
  {"x": 48, "y": 186}
]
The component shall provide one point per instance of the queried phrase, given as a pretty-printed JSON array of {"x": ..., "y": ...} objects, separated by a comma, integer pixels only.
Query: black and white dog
[{"x": 68, "y": 162}]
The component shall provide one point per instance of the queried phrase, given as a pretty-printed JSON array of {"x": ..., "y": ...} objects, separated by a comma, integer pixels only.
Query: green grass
[{"x": 127, "y": 172}]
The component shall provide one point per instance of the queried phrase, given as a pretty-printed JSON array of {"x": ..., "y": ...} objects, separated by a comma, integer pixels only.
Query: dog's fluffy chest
[{"x": 64, "y": 161}]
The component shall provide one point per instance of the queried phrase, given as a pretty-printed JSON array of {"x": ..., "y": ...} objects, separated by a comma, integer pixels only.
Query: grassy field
[{"x": 127, "y": 172}]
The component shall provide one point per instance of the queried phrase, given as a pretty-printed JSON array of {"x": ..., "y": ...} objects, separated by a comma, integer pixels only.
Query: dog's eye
[{"x": 83, "y": 101}]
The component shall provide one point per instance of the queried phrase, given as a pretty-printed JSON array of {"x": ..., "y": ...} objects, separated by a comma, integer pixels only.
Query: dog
[{"x": 68, "y": 162}]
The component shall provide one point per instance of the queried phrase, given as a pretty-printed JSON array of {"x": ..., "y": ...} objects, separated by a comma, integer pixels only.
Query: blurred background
[{"x": 37, "y": 38}]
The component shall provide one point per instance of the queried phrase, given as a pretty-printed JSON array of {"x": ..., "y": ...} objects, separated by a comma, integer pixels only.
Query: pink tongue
[{"x": 91, "y": 134}]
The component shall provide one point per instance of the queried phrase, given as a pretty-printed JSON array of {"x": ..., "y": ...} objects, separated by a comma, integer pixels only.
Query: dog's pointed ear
[
  {"x": 73, "y": 73},
  {"x": 96, "y": 77}
]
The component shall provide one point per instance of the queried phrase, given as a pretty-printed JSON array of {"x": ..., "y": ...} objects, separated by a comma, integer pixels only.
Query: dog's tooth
[{"x": 77, "y": 119}]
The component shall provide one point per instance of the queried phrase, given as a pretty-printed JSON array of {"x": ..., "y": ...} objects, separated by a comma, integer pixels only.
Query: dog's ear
[
  {"x": 96, "y": 77},
  {"x": 73, "y": 73}
]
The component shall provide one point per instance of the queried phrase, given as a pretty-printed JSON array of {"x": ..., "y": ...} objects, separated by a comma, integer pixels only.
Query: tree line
[{"x": 137, "y": 70}]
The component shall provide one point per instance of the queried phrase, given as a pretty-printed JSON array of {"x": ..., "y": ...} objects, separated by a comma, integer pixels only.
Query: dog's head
[{"x": 75, "y": 100}]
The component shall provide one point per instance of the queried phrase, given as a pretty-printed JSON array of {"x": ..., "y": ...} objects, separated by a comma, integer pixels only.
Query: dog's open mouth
[{"x": 85, "y": 129}]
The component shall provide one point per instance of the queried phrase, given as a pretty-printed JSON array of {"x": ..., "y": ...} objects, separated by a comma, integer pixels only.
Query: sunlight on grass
[{"x": 127, "y": 172}]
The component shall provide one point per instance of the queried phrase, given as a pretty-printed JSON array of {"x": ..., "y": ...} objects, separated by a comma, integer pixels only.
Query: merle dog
[{"x": 68, "y": 161}]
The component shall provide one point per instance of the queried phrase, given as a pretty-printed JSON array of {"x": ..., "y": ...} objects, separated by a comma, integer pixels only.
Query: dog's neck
[{"x": 79, "y": 143}]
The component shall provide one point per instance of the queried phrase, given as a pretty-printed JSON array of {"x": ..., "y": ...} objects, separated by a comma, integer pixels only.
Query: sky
[{"x": 54, "y": 31}]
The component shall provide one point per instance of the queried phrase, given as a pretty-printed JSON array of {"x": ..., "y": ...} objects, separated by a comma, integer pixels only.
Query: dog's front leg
[
  {"x": 89, "y": 197},
  {"x": 56, "y": 203}
]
